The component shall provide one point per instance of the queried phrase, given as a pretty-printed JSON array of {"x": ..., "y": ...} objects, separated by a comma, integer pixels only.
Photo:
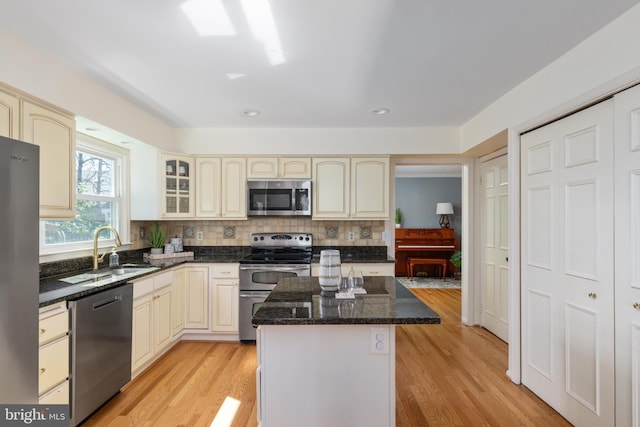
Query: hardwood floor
[{"x": 446, "y": 375}]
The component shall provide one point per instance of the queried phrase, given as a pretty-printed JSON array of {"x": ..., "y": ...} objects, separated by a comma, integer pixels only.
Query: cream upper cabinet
[
  {"x": 369, "y": 188},
  {"x": 330, "y": 191},
  {"x": 209, "y": 187},
  {"x": 9, "y": 116},
  {"x": 283, "y": 167},
  {"x": 54, "y": 133},
  {"x": 351, "y": 188},
  {"x": 234, "y": 187},
  {"x": 178, "y": 191}
]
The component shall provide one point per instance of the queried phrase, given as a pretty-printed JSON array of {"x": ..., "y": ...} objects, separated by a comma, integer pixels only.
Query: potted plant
[
  {"x": 398, "y": 217},
  {"x": 157, "y": 237},
  {"x": 456, "y": 260}
]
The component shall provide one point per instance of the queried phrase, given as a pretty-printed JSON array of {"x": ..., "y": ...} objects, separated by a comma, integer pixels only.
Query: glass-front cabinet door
[{"x": 178, "y": 186}]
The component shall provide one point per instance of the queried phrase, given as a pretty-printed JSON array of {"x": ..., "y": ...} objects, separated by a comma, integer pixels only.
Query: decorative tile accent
[
  {"x": 188, "y": 232},
  {"x": 365, "y": 232},
  {"x": 332, "y": 232},
  {"x": 229, "y": 233}
]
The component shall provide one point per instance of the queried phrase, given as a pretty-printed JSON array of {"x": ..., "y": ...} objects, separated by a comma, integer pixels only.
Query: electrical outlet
[
  {"x": 200, "y": 235},
  {"x": 379, "y": 340},
  {"x": 351, "y": 236}
]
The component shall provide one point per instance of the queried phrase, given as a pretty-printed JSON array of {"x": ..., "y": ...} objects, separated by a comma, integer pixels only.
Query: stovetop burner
[{"x": 280, "y": 248}]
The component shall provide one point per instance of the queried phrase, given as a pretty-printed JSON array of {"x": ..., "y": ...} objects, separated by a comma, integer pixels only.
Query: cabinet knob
[
  {"x": 43, "y": 331},
  {"x": 43, "y": 370},
  {"x": 636, "y": 306},
  {"x": 592, "y": 295}
]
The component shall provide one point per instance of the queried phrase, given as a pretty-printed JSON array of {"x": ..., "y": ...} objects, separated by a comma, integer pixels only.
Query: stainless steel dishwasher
[{"x": 100, "y": 348}]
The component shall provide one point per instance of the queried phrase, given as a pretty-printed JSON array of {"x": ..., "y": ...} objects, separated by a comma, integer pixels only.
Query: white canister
[{"x": 329, "y": 269}]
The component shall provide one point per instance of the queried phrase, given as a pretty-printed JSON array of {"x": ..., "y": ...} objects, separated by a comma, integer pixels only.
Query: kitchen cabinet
[
  {"x": 178, "y": 192},
  {"x": 221, "y": 187},
  {"x": 54, "y": 133},
  {"x": 9, "y": 116},
  {"x": 196, "y": 283},
  {"x": 351, "y": 188},
  {"x": 177, "y": 303},
  {"x": 53, "y": 355},
  {"x": 282, "y": 167},
  {"x": 152, "y": 325},
  {"x": 225, "y": 285}
]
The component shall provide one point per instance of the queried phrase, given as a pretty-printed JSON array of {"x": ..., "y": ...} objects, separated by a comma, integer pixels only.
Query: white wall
[
  {"x": 36, "y": 73},
  {"x": 602, "y": 63},
  {"x": 441, "y": 140}
]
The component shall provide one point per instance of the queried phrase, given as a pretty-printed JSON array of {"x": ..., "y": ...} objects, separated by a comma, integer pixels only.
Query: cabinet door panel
[
  {"x": 197, "y": 295},
  {"x": 9, "y": 116},
  {"x": 142, "y": 348},
  {"x": 208, "y": 187},
  {"x": 162, "y": 318},
  {"x": 330, "y": 188}
]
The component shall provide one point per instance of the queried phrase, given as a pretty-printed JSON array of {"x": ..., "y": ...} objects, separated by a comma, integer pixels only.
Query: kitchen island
[{"x": 324, "y": 361}]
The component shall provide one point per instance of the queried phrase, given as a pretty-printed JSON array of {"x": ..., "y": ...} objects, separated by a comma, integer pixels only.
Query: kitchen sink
[{"x": 106, "y": 276}]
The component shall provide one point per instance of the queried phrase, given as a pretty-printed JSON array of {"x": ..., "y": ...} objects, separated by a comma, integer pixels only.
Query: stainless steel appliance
[
  {"x": 100, "y": 348},
  {"x": 278, "y": 198},
  {"x": 273, "y": 256},
  {"x": 19, "y": 163}
]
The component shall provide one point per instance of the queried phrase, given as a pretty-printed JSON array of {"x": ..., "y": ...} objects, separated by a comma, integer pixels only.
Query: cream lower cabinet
[
  {"x": 177, "y": 303},
  {"x": 196, "y": 284},
  {"x": 351, "y": 188},
  {"x": 53, "y": 355},
  {"x": 152, "y": 330},
  {"x": 225, "y": 285},
  {"x": 367, "y": 269}
]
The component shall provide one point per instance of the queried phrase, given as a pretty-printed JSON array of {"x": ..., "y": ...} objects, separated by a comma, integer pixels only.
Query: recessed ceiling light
[
  {"x": 250, "y": 112},
  {"x": 92, "y": 129},
  {"x": 381, "y": 111}
]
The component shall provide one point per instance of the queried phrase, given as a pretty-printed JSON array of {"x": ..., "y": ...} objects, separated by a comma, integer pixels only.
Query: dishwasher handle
[{"x": 101, "y": 304}]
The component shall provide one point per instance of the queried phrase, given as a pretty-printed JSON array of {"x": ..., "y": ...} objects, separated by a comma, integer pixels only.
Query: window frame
[{"x": 120, "y": 157}]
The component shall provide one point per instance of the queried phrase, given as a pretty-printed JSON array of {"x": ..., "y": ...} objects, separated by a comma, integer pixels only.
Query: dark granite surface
[
  {"x": 53, "y": 290},
  {"x": 301, "y": 301}
]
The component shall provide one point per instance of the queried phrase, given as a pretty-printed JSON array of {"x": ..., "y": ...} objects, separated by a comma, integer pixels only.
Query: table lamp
[{"x": 444, "y": 209}]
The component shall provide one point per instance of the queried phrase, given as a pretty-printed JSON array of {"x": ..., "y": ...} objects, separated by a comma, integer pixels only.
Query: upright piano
[{"x": 423, "y": 243}]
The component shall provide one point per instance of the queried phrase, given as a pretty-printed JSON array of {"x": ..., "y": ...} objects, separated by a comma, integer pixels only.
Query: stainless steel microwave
[{"x": 278, "y": 198}]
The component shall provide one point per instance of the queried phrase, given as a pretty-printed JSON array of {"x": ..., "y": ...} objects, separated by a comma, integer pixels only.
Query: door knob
[
  {"x": 592, "y": 295},
  {"x": 636, "y": 306}
]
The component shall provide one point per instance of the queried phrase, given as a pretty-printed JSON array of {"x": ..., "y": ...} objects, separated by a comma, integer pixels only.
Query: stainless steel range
[{"x": 273, "y": 256}]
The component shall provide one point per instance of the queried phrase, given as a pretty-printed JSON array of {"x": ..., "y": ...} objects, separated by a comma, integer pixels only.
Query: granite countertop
[
  {"x": 301, "y": 301},
  {"x": 54, "y": 289}
]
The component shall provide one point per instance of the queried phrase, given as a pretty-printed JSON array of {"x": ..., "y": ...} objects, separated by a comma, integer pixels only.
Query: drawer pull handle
[
  {"x": 43, "y": 370},
  {"x": 43, "y": 331},
  {"x": 636, "y": 306},
  {"x": 592, "y": 295}
]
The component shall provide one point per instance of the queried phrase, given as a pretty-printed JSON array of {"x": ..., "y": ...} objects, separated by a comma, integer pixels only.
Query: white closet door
[
  {"x": 495, "y": 285},
  {"x": 627, "y": 262},
  {"x": 567, "y": 265}
]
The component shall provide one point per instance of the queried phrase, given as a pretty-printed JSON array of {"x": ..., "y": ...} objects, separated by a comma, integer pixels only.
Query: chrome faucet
[{"x": 96, "y": 260}]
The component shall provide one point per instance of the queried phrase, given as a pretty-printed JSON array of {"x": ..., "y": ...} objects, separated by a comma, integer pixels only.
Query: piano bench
[{"x": 412, "y": 262}]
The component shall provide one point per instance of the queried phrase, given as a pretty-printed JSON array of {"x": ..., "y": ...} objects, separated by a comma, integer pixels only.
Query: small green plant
[
  {"x": 456, "y": 259},
  {"x": 157, "y": 236},
  {"x": 398, "y": 216}
]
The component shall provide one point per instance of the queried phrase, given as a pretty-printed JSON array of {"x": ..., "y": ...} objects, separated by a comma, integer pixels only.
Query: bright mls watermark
[{"x": 34, "y": 415}]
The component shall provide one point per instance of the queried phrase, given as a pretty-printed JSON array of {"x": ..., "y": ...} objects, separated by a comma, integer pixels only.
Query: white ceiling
[{"x": 431, "y": 62}]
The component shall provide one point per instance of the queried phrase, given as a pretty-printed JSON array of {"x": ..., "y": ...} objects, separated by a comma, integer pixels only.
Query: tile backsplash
[{"x": 236, "y": 233}]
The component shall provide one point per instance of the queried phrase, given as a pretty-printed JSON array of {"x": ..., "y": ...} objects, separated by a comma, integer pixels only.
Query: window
[{"x": 100, "y": 174}]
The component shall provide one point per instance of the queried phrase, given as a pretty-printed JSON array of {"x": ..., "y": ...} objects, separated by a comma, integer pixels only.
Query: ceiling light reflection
[
  {"x": 208, "y": 17},
  {"x": 260, "y": 18}
]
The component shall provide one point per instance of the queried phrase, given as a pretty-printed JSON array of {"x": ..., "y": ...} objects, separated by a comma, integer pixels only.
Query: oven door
[
  {"x": 265, "y": 277},
  {"x": 250, "y": 302}
]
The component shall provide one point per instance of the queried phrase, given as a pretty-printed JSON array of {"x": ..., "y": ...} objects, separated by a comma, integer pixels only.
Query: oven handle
[
  {"x": 251, "y": 294},
  {"x": 274, "y": 268}
]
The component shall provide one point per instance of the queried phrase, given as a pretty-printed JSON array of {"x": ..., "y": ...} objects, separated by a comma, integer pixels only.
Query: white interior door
[
  {"x": 627, "y": 253},
  {"x": 567, "y": 265},
  {"x": 495, "y": 284}
]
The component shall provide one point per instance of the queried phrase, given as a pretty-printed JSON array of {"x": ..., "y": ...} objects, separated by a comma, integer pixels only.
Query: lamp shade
[{"x": 444, "y": 209}]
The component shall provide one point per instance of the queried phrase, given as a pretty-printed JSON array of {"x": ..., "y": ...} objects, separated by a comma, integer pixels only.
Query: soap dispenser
[{"x": 114, "y": 258}]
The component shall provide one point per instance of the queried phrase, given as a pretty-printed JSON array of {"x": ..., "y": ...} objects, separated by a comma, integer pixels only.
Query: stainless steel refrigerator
[{"x": 19, "y": 286}]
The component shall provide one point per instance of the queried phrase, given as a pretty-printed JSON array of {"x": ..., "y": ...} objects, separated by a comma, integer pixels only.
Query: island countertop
[{"x": 301, "y": 301}]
